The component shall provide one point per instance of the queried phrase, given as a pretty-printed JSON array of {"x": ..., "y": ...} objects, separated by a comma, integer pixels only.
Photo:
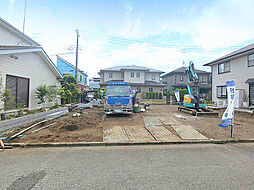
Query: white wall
[
  {"x": 116, "y": 76},
  {"x": 239, "y": 72},
  {"x": 128, "y": 78},
  {"x": 148, "y": 77},
  {"x": 32, "y": 66},
  {"x": 8, "y": 38}
]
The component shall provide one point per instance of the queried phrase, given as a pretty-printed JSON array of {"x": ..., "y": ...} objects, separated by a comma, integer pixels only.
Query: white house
[
  {"x": 24, "y": 65},
  {"x": 141, "y": 79},
  {"x": 238, "y": 66}
]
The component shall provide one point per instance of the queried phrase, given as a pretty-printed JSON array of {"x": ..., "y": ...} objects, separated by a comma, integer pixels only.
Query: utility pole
[
  {"x": 76, "y": 68},
  {"x": 24, "y": 20}
]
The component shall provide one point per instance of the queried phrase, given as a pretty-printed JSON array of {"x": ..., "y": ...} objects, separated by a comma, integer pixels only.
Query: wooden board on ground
[
  {"x": 152, "y": 121},
  {"x": 187, "y": 132},
  {"x": 168, "y": 120},
  {"x": 138, "y": 134},
  {"x": 162, "y": 134},
  {"x": 115, "y": 134}
]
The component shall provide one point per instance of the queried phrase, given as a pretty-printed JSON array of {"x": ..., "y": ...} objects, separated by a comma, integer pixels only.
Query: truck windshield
[{"x": 118, "y": 91}]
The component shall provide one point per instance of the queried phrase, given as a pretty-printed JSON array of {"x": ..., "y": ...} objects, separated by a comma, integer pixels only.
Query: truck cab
[{"x": 118, "y": 98}]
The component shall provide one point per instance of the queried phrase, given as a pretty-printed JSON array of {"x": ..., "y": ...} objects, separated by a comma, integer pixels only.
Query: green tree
[
  {"x": 69, "y": 91},
  {"x": 160, "y": 95},
  {"x": 147, "y": 95},
  {"x": 42, "y": 93},
  {"x": 156, "y": 95},
  {"x": 53, "y": 94}
]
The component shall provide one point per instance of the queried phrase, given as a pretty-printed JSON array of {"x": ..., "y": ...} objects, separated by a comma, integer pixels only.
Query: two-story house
[
  {"x": 141, "y": 79},
  {"x": 177, "y": 80},
  {"x": 66, "y": 68},
  {"x": 238, "y": 66}
]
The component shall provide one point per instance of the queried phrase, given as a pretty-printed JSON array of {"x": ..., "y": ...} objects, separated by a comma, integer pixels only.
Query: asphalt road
[{"x": 137, "y": 167}]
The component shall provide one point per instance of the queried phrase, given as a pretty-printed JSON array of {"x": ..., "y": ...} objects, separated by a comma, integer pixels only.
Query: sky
[{"x": 161, "y": 34}]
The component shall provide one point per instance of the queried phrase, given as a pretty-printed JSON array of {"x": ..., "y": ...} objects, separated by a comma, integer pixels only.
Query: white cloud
[{"x": 222, "y": 23}]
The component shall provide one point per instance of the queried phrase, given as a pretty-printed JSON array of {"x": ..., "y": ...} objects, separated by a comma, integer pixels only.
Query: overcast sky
[{"x": 155, "y": 33}]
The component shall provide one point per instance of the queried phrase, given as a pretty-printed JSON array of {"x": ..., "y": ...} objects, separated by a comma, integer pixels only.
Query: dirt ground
[
  {"x": 243, "y": 129},
  {"x": 92, "y": 124},
  {"x": 85, "y": 128}
]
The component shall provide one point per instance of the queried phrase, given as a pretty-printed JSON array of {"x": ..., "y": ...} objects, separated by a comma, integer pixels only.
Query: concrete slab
[
  {"x": 138, "y": 134},
  {"x": 152, "y": 121},
  {"x": 187, "y": 132},
  {"x": 168, "y": 120},
  {"x": 115, "y": 134},
  {"x": 162, "y": 134}
]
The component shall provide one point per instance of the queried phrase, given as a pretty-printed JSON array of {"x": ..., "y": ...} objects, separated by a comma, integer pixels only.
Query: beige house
[
  {"x": 238, "y": 66},
  {"x": 141, "y": 79},
  {"x": 176, "y": 79},
  {"x": 24, "y": 65}
]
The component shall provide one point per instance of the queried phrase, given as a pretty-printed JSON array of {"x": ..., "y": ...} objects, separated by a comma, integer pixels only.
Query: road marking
[
  {"x": 152, "y": 121},
  {"x": 115, "y": 134},
  {"x": 138, "y": 134},
  {"x": 187, "y": 132},
  {"x": 162, "y": 134}
]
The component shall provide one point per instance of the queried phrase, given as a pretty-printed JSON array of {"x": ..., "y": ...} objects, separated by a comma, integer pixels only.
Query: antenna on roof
[{"x": 24, "y": 18}]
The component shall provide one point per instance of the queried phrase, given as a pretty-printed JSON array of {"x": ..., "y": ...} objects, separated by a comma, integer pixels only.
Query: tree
[
  {"x": 160, "y": 95},
  {"x": 69, "y": 92},
  {"x": 42, "y": 93},
  {"x": 6, "y": 96},
  {"x": 53, "y": 94}
]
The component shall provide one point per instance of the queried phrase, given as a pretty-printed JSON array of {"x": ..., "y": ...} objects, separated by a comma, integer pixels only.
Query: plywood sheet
[
  {"x": 187, "y": 132},
  {"x": 162, "y": 134},
  {"x": 138, "y": 134},
  {"x": 115, "y": 134}
]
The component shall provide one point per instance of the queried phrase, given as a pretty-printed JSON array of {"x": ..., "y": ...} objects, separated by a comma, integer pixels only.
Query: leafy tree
[
  {"x": 53, "y": 93},
  {"x": 69, "y": 91},
  {"x": 156, "y": 95},
  {"x": 160, "y": 95},
  {"x": 6, "y": 96},
  {"x": 42, "y": 93},
  {"x": 147, "y": 95}
]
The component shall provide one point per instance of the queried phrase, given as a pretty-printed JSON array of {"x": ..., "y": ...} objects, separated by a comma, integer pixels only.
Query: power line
[
  {"x": 148, "y": 44},
  {"x": 125, "y": 41}
]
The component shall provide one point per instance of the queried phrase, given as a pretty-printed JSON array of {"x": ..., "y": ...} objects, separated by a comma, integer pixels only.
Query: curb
[{"x": 82, "y": 144}]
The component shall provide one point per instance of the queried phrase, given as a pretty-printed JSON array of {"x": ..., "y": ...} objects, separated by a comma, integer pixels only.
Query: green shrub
[
  {"x": 147, "y": 95},
  {"x": 160, "y": 95},
  {"x": 156, "y": 95}
]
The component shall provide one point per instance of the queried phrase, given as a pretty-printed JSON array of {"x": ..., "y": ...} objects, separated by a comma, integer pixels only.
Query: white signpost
[
  {"x": 177, "y": 95},
  {"x": 228, "y": 115}
]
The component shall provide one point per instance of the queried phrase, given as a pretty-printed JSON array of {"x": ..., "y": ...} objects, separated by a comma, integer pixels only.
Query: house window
[
  {"x": 138, "y": 74},
  {"x": 19, "y": 90},
  {"x": 202, "y": 78},
  {"x": 251, "y": 60},
  {"x": 138, "y": 90},
  {"x": 80, "y": 78},
  {"x": 150, "y": 89},
  {"x": 224, "y": 67},
  {"x": 181, "y": 78},
  {"x": 153, "y": 77},
  {"x": 122, "y": 74},
  {"x": 132, "y": 74},
  {"x": 85, "y": 80},
  {"x": 221, "y": 92},
  {"x": 110, "y": 75}
]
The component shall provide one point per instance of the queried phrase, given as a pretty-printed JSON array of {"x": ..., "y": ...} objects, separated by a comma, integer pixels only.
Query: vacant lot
[{"x": 94, "y": 126}]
